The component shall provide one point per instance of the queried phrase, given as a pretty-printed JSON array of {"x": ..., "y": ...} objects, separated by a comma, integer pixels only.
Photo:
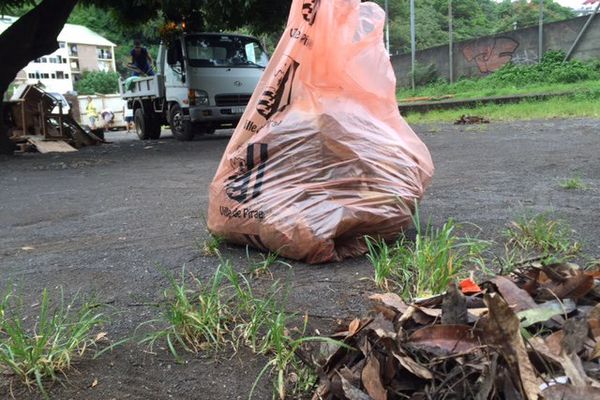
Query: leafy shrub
[
  {"x": 425, "y": 74},
  {"x": 552, "y": 69},
  {"x": 92, "y": 82}
]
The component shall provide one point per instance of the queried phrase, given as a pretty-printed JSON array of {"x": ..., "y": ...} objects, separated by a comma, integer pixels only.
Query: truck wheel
[
  {"x": 155, "y": 129},
  {"x": 143, "y": 124},
  {"x": 182, "y": 129}
]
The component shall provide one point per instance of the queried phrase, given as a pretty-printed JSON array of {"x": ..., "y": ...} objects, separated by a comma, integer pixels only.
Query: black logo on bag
[
  {"x": 248, "y": 169},
  {"x": 310, "y": 8},
  {"x": 276, "y": 98}
]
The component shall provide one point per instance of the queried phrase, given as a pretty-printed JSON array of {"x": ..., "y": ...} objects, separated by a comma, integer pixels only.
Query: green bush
[
  {"x": 93, "y": 82},
  {"x": 552, "y": 69}
]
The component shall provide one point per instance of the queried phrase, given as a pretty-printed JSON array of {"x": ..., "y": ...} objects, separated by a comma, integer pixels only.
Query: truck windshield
[{"x": 225, "y": 51}]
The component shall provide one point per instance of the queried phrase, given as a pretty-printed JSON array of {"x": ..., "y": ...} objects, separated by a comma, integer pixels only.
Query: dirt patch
[{"x": 101, "y": 225}]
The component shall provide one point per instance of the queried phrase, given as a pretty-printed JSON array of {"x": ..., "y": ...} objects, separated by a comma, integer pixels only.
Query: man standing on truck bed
[{"x": 141, "y": 60}]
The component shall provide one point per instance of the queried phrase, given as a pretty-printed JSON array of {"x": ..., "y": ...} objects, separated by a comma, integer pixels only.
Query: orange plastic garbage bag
[{"x": 322, "y": 157}]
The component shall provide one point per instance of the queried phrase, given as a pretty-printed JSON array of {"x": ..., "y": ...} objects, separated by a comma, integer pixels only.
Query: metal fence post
[
  {"x": 541, "y": 33},
  {"x": 450, "y": 42},
  {"x": 387, "y": 27},
  {"x": 413, "y": 42}
]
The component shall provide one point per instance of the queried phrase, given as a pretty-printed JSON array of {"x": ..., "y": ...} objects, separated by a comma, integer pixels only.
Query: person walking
[
  {"x": 91, "y": 112},
  {"x": 128, "y": 115}
]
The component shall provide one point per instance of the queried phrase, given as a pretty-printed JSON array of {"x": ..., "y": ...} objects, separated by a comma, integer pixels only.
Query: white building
[{"x": 80, "y": 49}]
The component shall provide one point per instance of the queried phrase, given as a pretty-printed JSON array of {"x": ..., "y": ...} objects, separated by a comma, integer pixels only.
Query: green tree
[
  {"x": 34, "y": 33},
  {"x": 92, "y": 82}
]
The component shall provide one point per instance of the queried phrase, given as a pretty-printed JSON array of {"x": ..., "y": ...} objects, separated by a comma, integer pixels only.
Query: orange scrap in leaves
[{"x": 468, "y": 286}]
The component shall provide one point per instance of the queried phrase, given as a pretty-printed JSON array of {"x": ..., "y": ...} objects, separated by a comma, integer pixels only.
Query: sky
[
  {"x": 576, "y": 4},
  {"x": 571, "y": 3}
]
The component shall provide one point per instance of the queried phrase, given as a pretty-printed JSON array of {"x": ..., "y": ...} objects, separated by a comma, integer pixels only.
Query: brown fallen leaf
[
  {"x": 414, "y": 367},
  {"x": 553, "y": 342},
  {"x": 570, "y": 392},
  {"x": 445, "y": 339},
  {"x": 371, "y": 379},
  {"x": 353, "y": 327},
  {"x": 391, "y": 300},
  {"x": 594, "y": 325},
  {"x": 575, "y": 333},
  {"x": 517, "y": 298},
  {"x": 352, "y": 392},
  {"x": 101, "y": 336},
  {"x": 502, "y": 329},
  {"x": 382, "y": 327},
  {"x": 596, "y": 353},
  {"x": 574, "y": 287},
  {"x": 454, "y": 307}
]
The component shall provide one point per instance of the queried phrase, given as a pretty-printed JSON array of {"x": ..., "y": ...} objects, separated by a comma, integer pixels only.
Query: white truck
[{"x": 204, "y": 82}]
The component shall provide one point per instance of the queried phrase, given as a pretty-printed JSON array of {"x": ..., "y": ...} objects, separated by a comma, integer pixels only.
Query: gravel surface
[{"x": 103, "y": 222}]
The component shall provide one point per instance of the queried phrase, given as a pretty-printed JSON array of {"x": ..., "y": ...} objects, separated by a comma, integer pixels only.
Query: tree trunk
[{"x": 31, "y": 36}]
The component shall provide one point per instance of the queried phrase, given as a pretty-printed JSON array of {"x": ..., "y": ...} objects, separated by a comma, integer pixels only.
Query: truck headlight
[{"x": 198, "y": 97}]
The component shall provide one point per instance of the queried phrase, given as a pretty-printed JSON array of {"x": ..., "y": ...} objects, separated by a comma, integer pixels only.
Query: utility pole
[
  {"x": 541, "y": 33},
  {"x": 387, "y": 27},
  {"x": 450, "y": 41},
  {"x": 413, "y": 42}
]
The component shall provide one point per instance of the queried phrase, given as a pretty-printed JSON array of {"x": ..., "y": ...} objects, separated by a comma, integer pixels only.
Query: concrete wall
[
  {"x": 479, "y": 57},
  {"x": 88, "y": 59}
]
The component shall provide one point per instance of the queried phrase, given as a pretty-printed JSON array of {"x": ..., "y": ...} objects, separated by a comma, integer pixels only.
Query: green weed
[
  {"x": 573, "y": 184},
  {"x": 263, "y": 267},
  {"x": 212, "y": 246},
  {"x": 558, "y": 107},
  {"x": 227, "y": 313},
  {"x": 437, "y": 257},
  {"x": 196, "y": 319},
  {"x": 542, "y": 235},
  {"x": 428, "y": 264},
  {"x": 61, "y": 333},
  {"x": 384, "y": 259}
]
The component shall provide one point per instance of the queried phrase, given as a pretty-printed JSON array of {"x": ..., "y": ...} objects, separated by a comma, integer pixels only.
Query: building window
[
  {"x": 45, "y": 76},
  {"x": 37, "y": 75},
  {"x": 60, "y": 75},
  {"x": 44, "y": 60},
  {"x": 62, "y": 45},
  {"x": 31, "y": 76},
  {"x": 53, "y": 76},
  {"x": 73, "y": 50},
  {"x": 66, "y": 76},
  {"x": 75, "y": 65},
  {"x": 64, "y": 60},
  {"x": 38, "y": 60},
  {"x": 104, "y": 53},
  {"x": 52, "y": 60}
]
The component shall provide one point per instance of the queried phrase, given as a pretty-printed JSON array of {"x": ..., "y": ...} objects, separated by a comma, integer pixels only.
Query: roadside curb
[{"x": 426, "y": 106}]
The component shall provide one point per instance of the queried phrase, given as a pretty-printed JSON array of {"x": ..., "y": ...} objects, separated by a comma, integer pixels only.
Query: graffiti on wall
[{"x": 490, "y": 54}]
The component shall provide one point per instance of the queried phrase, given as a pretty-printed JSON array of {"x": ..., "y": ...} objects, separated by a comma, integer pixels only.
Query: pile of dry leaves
[{"x": 534, "y": 335}]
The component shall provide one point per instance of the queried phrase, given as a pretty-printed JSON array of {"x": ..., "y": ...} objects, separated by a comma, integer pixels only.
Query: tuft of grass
[
  {"x": 542, "y": 235},
  {"x": 263, "y": 267},
  {"x": 196, "y": 319},
  {"x": 437, "y": 257},
  {"x": 45, "y": 351},
  {"x": 573, "y": 184},
  {"x": 384, "y": 260},
  {"x": 227, "y": 313},
  {"x": 428, "y": 264},
  {"x": 211, "y": 247}
]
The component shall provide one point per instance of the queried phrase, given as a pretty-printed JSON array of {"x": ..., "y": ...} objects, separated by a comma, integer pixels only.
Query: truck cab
[{"x": 204, "y": 82}]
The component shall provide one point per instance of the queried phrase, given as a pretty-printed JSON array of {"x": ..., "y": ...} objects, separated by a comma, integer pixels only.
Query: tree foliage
[
  {"x": 92, "y": 82},
  {"x": 472, "y": 18}
]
